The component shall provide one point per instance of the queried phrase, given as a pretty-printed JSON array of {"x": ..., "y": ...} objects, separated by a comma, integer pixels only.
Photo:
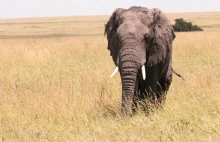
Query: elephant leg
[
  {"x": 139, "y": 100},
  {"x": 163, "y": 87},
  {"x": 164, "y": 84},
  {"x": 150, "y": 86}
]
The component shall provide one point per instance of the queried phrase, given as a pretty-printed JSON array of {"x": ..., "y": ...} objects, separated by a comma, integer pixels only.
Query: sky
[{"x": 50, "y": 8}]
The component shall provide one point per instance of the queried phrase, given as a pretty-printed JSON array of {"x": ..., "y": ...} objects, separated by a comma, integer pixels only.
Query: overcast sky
[{"x": 44, "y": 8}]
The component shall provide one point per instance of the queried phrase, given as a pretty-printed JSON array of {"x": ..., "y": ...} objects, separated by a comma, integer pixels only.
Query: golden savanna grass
[{"x": 55, "y": 84}]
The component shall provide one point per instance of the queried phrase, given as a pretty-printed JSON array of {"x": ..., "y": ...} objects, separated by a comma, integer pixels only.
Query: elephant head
[{"x": 140, "y": 40}]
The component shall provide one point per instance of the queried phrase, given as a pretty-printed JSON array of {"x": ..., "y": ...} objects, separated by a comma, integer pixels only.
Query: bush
[{"x": 183, "y": 26}]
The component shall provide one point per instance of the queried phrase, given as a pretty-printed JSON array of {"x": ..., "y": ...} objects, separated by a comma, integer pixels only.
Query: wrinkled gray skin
[{"x": 139, "y": 36}]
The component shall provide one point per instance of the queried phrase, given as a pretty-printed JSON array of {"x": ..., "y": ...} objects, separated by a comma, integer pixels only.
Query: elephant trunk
[
  {"x": 131, "y": 61},
  {"x": 128, "y": 77}
]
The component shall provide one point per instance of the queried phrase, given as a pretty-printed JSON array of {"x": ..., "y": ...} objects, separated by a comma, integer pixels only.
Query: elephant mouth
[
  {"x": 143, "y": 71},
  {"x": 130, "y": 57}
]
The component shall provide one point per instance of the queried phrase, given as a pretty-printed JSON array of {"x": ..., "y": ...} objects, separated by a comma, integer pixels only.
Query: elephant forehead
[
  {"x": 134, "y": 16},
  {"x": 131, "y": 26},
  {"x": 129, "y": 14}
]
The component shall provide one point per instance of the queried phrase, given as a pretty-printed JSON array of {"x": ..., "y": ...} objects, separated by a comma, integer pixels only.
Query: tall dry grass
[{"x": 58, "y": 89}]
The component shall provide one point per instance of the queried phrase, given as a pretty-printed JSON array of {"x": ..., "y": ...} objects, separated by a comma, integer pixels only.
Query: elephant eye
[
  {"x": 119, "y": 21},
  {"x": 147, "y": 36}
]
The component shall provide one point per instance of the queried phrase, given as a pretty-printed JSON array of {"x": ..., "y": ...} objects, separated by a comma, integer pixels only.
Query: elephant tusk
[
  {"x": 143, "y": 72},
  {"x": 115, "y": 71}
]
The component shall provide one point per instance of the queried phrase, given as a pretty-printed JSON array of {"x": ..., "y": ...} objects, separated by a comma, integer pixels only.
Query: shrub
[{"x": 183, "y": 26}]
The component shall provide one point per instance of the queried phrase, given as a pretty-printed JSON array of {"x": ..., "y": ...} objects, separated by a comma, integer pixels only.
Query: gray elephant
[{"x": 140, "y": 43}]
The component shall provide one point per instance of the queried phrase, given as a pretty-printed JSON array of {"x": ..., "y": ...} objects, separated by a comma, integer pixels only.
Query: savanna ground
[{"x": 55, "y": 84}]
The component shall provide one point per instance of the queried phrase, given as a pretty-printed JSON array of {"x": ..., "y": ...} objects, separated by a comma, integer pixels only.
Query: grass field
[{"x": 55, "y": 84}]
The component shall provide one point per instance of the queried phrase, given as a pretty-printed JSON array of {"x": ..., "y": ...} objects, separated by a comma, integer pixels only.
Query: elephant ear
[
  {"x": 110, "y": 29},
  {"x": 163, "y": 35}
]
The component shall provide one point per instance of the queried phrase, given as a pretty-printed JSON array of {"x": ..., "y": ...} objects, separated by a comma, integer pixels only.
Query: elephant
[{"x": 140, "y": 43}]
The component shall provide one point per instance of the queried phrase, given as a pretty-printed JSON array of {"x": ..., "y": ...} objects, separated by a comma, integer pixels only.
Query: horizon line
[{"x": 27, "y": 17}]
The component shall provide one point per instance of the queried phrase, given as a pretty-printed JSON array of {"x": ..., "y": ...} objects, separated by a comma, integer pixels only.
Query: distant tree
[{"x": 183, "y": 26}]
